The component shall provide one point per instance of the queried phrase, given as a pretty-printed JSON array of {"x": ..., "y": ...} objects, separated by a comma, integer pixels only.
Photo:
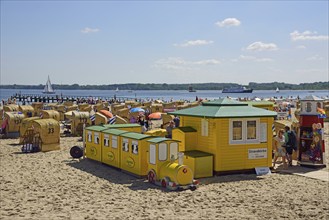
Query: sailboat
[
  {"x": 117, "y": 90},
  {"x": 277, "y": 90},
  {"x": 48, "y": 88}
]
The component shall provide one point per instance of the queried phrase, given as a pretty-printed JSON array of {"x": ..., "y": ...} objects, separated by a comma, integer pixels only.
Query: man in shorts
[{"x": 290, "y": 143}]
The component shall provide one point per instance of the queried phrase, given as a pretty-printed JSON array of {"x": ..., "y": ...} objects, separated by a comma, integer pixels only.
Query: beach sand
[{"x": 53, "y": 186}]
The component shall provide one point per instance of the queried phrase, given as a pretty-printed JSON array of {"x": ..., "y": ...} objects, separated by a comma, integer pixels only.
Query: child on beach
[{"x": 279, "y": 140}]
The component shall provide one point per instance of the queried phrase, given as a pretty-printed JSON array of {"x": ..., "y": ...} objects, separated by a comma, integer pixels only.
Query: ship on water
[
  {"x": 240, "y": 89},
  {"x": 48, "y": 89}
]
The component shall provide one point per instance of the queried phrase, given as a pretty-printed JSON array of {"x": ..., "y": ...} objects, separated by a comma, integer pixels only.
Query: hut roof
[
  {"x": 118, "y": 126},
  {"x": 196, "y": 153},
  {"x": 260, "y": 103},
  {"x": 96, "y": 128},
  {"x": 114, "y": 131},
  {"x": 311, "y": 98},
  {"x": 136, "y": 136},
  {"x": 186, "y": 129},
  {"x": 160, "y": 139},
  {"x": 224, "y": 108}
]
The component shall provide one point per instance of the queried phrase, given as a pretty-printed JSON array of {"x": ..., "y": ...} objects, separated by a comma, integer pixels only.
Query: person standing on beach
[
  {"x": 290, "y": 143},
  {"x": 169, "y": 129},
  {"x": 176, "y": 121},
  {"x": 279, "y": 141}
]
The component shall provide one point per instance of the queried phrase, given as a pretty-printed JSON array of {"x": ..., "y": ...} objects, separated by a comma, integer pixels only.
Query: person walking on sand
[{"x": 279, "y": 141}]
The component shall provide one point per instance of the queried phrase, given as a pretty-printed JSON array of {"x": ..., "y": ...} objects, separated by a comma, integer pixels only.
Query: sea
[{"x": 167, "y": 95}]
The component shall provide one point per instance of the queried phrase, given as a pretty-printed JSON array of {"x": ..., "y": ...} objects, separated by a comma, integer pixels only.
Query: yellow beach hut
[
  {"x": 238, "y": 136},
  {"x": 48, "y": 130},
  {"x": 26, "y": 123},
  {"x": 12, "y": 122},
  {"x": 45, "y": 114},
  {"x": 78, "y": 120},
  {"x": 111, "y": 147},
  {"x": 27, "y": 110}
]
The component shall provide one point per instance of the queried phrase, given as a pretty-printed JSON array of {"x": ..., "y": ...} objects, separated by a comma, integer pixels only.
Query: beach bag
[{"x": 292, "y": 142}]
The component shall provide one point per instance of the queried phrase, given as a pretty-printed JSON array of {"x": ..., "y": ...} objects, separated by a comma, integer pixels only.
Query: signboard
[
  {"x": 262, "y": 171},
  {"x": 282, "y": 115},
  {"x": 259, "y": 153}
]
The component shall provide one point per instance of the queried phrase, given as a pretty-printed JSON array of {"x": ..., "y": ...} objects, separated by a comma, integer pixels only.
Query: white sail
[
  {"x": 277, "y": 89},
  {"x": 48, "y": 88}
]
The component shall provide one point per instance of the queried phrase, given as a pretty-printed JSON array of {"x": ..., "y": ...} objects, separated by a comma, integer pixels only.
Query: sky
[{"x": 110, "y": 42}]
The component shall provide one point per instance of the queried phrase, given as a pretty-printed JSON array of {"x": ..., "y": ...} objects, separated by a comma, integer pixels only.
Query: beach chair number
[
  {"x": 51, "y": 130},
  {"x": 84, "y": 120},
  {"x": 17, "y": 121}
]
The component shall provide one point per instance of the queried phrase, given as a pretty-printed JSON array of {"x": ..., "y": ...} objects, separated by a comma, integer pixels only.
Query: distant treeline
[{"x": 165, "y": 86}]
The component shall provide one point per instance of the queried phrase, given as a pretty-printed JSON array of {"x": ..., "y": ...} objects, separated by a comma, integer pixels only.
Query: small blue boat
[{"x": 240, "y": 89}]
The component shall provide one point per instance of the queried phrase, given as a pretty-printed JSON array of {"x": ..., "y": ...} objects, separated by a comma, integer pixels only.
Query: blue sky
[{"x": 108, "y": 42}]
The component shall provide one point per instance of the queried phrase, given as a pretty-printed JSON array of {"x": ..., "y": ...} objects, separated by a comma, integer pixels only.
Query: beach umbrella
[
  {"x": 137, "y": 110},
  {"x": 106, "y": 113},
  {"x": 155, "y": 115}
]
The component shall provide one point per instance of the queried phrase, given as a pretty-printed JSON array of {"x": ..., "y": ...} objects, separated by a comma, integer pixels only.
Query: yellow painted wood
[
  {"x": 93, "y": 149},
  {"x": 111, "y": 155},
  {"x": 135, "y": 163}
]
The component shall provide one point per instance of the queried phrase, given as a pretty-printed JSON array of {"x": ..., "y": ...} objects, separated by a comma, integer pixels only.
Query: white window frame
[
  {"x": 89, "y": 136},
  {"x": 204, "y": 127},
  {"x": 114, "y": 141},
  {"x": 173, "y": 147},
  {"x": 134, "y": 147},
  {"x": 244, "y": 131},
  {"x": 152, "y": 154},
  {"x": 96, "y": 137},
  {"x": 163, "y": 152},
  {"x": 125, "y": 145},
  {"x": 106, "y": 140}
]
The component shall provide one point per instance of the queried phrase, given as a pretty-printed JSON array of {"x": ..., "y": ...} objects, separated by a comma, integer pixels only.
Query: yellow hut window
[
  {"x": 114, "y": 141},
  {"x": 162, "y": 151},
  {"x": 173, "y": 150},
  {"x": 237, "y": 130},
  {"x": 152, "y": 154},
  {"x": 251, "y": 130},
  {"x": 244, "y": 131},
  {"x": 96, "y": 138},
  {"x": 134, "y": 147},
  {"x": 89, "y": 136},
  {"x": 125, "y": 145},
  {"x": 106, "y": 140}
]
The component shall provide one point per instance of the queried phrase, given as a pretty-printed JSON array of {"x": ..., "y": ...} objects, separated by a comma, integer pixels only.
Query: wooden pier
[{"x": 52, "y": 98}]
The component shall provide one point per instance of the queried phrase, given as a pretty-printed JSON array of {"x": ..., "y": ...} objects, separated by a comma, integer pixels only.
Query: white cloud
[
  {"x": 260, "y": 46},
  {"x": 177, "y": 63},
  {"x": 207, "y": 62},
  {"x": 194, "y": 43},
  {"x": 228, "y": 22},
  {"x": 252, "y": 58},
  {"x": 88, "y": 30},
  {"x": 301, "y": 47},
  {"x": 314, "y": 58},
  {"x": 307, "y": 35}
]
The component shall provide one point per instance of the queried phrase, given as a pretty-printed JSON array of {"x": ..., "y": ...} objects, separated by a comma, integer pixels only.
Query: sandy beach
[{"x": 54, "y": 186}]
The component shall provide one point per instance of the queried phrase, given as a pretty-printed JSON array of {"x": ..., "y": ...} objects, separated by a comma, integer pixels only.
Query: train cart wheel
[
  {"x": 76, "y": 152},
  {"x": 165, "y": 182},
  {"x": 151, "y": 176}
]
